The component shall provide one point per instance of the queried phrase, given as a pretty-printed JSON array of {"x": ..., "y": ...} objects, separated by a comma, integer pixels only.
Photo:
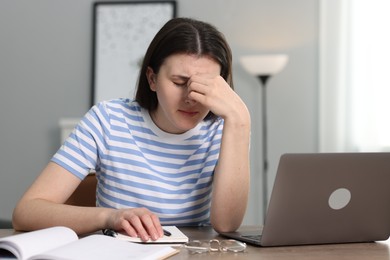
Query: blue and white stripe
[{"x": 138, "y": 165}]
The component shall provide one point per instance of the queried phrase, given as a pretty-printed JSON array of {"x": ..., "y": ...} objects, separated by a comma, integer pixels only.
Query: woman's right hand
[{"x": 136, "y": 222}]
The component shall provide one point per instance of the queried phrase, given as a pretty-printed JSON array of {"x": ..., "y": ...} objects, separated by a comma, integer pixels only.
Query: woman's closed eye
[{"x": 181, "y": 84}]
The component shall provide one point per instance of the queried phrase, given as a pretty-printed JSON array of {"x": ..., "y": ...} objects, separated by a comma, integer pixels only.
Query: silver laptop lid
[{"x": 329, "y": 198}]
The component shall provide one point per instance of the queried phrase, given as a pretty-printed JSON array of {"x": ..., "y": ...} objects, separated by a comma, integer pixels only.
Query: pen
[
  {"x": 110, "y": 232},
  {"x": 167, "y": 233}
]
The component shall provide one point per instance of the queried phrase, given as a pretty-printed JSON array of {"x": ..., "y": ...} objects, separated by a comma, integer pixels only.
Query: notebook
[
  {"x": 326, "y": 198},
  {"x": 172, "y": 235},
  {"x": 63, "y": 243}
]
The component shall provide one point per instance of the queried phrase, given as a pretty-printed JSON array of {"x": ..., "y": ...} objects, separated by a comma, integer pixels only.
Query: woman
[{"x": 178, "y": 154}]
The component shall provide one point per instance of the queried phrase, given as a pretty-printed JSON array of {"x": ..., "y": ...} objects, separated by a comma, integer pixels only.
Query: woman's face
[{"x": 175, "y": 112}]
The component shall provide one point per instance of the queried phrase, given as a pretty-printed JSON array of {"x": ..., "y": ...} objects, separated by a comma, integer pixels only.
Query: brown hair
[{"x": 183, "y": 35}]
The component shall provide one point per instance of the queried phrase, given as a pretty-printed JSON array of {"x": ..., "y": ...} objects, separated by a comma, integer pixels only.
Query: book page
[
  {"x": 25, "y": 245},
  {"x": 101, "y": 247}
]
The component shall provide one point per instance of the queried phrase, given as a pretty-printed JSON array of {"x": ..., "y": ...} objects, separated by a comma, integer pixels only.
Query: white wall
[
  {"x": 45, "y": 65},
  {"x": 262, "y": 27}
]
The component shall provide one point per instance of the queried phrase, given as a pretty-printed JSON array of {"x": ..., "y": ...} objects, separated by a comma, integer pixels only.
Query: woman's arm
[
  {"x": 232, "y": 174},
  {"x": 43, "y": 206}
]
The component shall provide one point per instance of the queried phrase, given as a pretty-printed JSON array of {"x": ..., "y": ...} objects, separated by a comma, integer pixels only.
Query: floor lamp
[{"x": 263, "y": 67}]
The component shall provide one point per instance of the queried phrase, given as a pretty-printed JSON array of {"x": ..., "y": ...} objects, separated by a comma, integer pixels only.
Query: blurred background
[{"x": 46, "y": 66}]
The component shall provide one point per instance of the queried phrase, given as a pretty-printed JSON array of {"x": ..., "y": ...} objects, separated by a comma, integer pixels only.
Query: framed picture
[{"x": 122, "y": 31}]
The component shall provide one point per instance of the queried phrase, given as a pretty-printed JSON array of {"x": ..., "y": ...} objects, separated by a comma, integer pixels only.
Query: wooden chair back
[{"x": 85, "y": 194}]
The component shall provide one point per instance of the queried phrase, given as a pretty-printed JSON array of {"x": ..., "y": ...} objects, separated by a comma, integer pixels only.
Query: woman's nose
[
  {"x": 189, "y": 101},
  {"x": 187, "y": 98}
]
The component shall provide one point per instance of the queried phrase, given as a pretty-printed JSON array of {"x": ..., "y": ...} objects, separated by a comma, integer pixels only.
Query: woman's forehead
[{"x": 186, "y": 65}]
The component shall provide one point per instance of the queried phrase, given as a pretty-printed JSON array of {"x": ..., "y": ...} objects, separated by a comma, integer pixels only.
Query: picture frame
[{"x": 122, "y": 31}]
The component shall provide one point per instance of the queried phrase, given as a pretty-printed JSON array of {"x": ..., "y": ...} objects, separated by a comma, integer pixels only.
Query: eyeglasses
[{"x": 214, "y": 245}]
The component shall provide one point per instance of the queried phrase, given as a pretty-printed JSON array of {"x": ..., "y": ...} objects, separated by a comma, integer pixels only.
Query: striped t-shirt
[{"x": 139, "y": 165}]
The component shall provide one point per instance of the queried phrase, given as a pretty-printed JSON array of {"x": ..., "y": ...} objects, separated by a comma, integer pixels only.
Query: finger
[
  {"x": 202, "y": 78},
  {"x": 158, "y": 226},
  {"x": 213, "y": 87},
  {"x": 137, "y": 224},
  {"x": 125, "y": 225},
  {"x": 200, "y": 87},
  {"x": 198, "y": 97},
  {"x": 150, "y": 227}
]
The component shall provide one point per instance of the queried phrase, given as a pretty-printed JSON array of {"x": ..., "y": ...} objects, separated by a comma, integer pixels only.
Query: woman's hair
[{"x": 183, "y": 36}]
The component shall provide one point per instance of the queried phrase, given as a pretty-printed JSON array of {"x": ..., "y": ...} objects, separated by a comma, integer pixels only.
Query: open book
[
  {"x": 172, "y": 235},
  {"x": 63, "y": 243}
]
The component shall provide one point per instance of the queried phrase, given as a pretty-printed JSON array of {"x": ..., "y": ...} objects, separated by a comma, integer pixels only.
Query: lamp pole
[
  {"x": 263, "y": 67},
  {"x": 264, "y": 79}
]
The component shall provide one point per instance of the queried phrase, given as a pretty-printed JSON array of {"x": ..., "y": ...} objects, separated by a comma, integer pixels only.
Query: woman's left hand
[{"x": 215, "y": 93}]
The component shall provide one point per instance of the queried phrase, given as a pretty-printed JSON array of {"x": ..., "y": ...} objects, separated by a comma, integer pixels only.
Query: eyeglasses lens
[
  {"x": 232, "y": 246},
  {"x": 198, "y": 247}
]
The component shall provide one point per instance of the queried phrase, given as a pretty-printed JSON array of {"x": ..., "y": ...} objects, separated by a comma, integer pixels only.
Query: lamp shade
[{"x": 259, "y": 65}]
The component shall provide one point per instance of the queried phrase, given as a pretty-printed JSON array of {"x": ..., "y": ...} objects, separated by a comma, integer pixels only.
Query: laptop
[{"x": 326, "y": 198}]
